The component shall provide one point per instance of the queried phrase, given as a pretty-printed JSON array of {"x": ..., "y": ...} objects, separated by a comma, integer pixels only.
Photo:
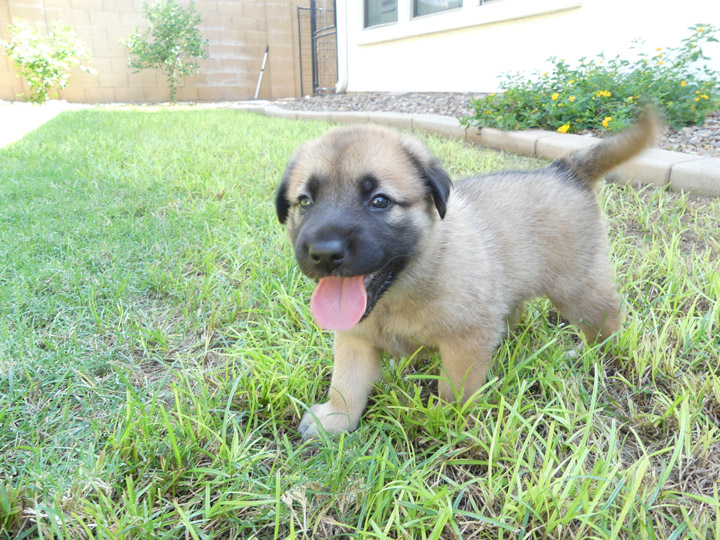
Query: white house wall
[{"x": 432, "y": 54}]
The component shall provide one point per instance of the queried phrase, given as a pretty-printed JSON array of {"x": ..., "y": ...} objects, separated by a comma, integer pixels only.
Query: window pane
[
  {"x": 424, "y": 7},
  {"x": 380, "y": 12}
]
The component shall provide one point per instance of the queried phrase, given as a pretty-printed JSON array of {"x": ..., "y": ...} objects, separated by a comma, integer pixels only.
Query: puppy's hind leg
[
  {"x": 513, "y": 319},
  {"x": 466, "y": 360},
  {"x": 593, "y": 305}
]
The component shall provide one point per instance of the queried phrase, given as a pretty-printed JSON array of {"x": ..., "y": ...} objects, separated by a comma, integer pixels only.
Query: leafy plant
[
  {"x": 171, "y": 43},
  {"x": 45, "y": 61},
  {"x": 606, "y": 94}
]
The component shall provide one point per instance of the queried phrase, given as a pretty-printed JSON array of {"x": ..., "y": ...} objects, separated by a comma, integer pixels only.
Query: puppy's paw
[{"x": 324, "y": 417}]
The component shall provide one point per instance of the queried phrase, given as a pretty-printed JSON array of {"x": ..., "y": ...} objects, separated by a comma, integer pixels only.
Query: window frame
[
  {"x": 415, "y": 4},
  {"x": 472, "y": 13},
  {"x": 366, "y": 14}
]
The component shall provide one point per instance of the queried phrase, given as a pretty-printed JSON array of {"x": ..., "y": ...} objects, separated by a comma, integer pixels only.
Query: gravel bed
[{"x": 702, "y": 140}]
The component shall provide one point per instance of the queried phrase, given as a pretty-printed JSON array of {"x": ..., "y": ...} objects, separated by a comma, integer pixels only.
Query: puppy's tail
[{"x": 590, "y": 164}]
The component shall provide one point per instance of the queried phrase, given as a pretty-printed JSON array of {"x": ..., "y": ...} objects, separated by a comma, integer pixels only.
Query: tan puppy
[{"x": 404, "y": 259}]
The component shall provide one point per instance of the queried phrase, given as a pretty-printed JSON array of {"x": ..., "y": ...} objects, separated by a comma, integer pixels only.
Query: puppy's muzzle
[{"x": 327, "y": 254}]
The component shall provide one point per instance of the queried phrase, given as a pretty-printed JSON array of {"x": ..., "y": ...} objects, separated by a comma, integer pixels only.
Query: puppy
[{"x": 404, "y": 258}]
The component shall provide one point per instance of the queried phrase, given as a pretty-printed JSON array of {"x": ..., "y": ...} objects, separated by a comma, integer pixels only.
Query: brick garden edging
[{"x": 680, "y": 172}]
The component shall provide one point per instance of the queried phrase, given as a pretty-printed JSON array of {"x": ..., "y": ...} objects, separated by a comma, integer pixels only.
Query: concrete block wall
[{"x": 238, "y": 32}]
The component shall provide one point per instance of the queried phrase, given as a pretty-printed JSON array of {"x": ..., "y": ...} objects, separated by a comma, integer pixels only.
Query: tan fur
[
  {"x": 505, "y": 238},
  {"x": 593, "y": 162}
]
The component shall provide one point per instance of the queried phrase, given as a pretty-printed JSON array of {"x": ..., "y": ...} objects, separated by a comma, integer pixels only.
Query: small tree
[
  {"x": 45, "y": 62},
  {"x": 171, "y": 43}
]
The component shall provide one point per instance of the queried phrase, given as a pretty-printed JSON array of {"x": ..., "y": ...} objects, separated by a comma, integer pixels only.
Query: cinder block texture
[{"x": 238, "y": 32}]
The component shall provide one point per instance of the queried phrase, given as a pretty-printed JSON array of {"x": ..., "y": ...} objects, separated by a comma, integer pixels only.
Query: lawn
[{"x": 157, "y": 352}]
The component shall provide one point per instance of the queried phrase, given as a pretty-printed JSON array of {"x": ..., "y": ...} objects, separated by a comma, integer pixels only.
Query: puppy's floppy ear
[
  {"x": 282, "y": 204},
  {"x": 438, "y": 183},
  {"x": 436, "y": 180}
]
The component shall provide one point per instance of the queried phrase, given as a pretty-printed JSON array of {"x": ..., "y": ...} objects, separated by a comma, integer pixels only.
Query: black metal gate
[{"x": 317, "y": 34}]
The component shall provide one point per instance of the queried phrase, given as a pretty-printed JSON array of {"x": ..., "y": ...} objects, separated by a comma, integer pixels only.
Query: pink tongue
[{"x": 339, "y": 303}]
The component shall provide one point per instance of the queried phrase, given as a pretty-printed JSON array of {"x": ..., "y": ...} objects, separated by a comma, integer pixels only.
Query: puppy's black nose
[{"x": 327, "y": 254}]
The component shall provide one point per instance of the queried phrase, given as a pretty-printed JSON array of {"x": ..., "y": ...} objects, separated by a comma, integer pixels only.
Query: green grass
[{"x": 156, "y": 354}]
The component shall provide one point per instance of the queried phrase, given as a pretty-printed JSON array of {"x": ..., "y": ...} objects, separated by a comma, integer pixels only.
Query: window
[
  {"x": 413, "y": 18},
  {"x": 380, "y": 12},
  {"x": 425, "y": 7}
]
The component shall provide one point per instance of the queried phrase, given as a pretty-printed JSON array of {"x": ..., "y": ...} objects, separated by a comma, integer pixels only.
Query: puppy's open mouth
[{"x": 339, "y": 303}]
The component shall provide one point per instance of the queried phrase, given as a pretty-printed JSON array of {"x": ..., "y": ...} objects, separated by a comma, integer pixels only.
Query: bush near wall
[
  {"x": 45, "y": 61},
  {"x": 606, "y": 94},
  {"x": 171, "y": 43}
]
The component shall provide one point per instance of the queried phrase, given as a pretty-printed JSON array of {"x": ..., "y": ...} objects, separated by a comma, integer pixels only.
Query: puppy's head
[{"x": 357, "y": 203}]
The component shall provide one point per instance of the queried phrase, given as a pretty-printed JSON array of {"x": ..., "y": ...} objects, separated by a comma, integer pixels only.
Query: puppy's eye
[
  {"x": 379, "y": 201},
  {"x": 305, "y": 202}
]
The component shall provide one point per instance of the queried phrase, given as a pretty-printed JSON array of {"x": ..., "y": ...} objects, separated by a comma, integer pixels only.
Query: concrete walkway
[
  {"x": 17, "y": 119},
  {"x": 686, "y": 172}
]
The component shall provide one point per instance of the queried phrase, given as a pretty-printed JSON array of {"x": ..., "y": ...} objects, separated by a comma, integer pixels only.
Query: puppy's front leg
[
  {"x": 465, "y": 363},
  {"x": 356, "y": 368}
]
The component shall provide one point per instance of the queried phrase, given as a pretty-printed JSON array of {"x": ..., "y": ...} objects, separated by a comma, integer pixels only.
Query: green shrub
[
  {"x": 171, "y": 43},
  {"x": 45, "y": 62},
  {"x": 607, "y": 94}
]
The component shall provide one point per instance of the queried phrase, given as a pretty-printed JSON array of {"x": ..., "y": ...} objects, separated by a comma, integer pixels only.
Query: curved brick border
[{"x": 678, "y": 171}]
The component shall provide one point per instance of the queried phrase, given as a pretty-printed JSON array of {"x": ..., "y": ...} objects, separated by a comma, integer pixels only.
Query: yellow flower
[
  {"x": 606, "y": 121},
  {"x": 700, "y": 29},
  {"x": 630, "y": 99},
  {"x": 492, "y": 95},
  {"x": 564, "y": 128},
  {"x": 571, "y": 99},
  {"x": 683, "y": 83},
  {"x": 659, "y": 49},
  {"x": 544, "y": 74},
  {"x": 554, "y": 96},
  {"x": 603, "y": 93},
  {"x": 697, "y": 99},
  {"x": 660, "y": 62},
  {"x": 704, "y": 96},
  {"x": 571, "y": 82}
]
